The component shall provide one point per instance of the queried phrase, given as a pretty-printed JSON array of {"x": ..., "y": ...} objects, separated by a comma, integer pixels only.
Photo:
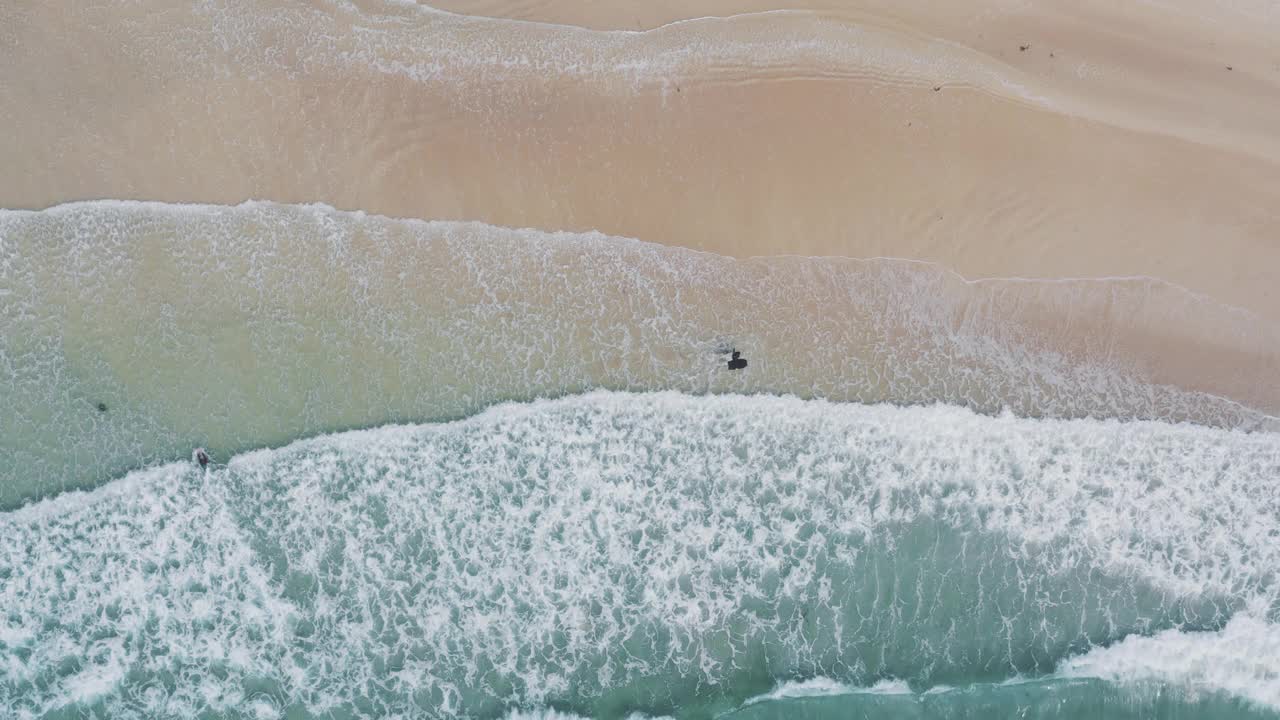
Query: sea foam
[
  {"x": 232, "y": 328},
  {"x": 615, "y": 553}
]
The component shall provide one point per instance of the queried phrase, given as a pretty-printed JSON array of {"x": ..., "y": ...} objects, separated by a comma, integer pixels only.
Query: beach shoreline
[
  {"x": 308, "y": 319},
  {"x": 780, "y": 134}
]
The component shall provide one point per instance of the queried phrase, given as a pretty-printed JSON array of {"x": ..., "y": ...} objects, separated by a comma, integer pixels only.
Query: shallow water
[
  {"x": 664, "y": 554},
  {"x": 236, "y": 328},
  {"x": 463, "y": 469}
]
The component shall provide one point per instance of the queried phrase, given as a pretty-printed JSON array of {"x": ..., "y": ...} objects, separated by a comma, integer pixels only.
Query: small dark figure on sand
[
  {"x": 202, "y": 457},
  {"x": 736, "y": 362}
]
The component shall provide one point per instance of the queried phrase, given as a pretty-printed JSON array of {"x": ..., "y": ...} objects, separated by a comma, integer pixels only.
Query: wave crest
[{"x": 613, "y": 553}]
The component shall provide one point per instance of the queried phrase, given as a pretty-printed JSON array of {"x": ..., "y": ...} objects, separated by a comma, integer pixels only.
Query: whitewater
[
  {"x": 612, "y": 553},
  {"x": 132, "y": 332},
  {"x": 448, "y": 294}
]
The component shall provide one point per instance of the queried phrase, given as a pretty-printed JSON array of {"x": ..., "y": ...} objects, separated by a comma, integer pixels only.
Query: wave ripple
[{"x": 612, "y": 553}]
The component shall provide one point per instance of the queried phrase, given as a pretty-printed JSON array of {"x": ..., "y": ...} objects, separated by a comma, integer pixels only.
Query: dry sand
[{"x": 1132, "y": 150}]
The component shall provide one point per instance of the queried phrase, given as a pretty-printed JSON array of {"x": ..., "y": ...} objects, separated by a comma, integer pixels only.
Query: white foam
[
  {"x": 889, "y": 687},
  {"x": 546, "y": 714},
  {"x": 97, "y": 681},
  {"x": 277, "y": 281},
  {"x": 826, "y": 687},
  {"x": 813, "y": 687},
  {"x": 535, "y": 540},
  {"x": 1241, "y": 660}
]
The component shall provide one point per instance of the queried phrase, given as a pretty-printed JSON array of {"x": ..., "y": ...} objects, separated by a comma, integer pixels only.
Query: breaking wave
[{"x": 617, "y": 553}]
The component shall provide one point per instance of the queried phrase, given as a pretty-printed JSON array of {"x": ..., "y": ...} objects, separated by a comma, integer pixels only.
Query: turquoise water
[
  {"x": 469, "y": 471},
  {"x": 906, "y": 507},
  {"x": 1053, "y": 698},
  {"x": 613, "y": 554},
  {"x": 235, "y": 328}
]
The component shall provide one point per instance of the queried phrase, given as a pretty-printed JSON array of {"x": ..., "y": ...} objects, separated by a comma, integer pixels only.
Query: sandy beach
[
  {"x": 618, "y": 359},
  {"x": 1117, "y": 144}
]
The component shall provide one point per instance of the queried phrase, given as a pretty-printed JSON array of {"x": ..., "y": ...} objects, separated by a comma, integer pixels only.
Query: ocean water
[
  {"x": 465, "y": 470},
  {"x": 924, "y": 497},
  {"x": 660, "y": 554},
  {"x": 235, "y": 328}
]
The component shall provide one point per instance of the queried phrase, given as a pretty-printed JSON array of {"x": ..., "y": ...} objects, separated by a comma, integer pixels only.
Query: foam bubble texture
[
  {"x": 615, "y": 553},
  {"x": 1049, "y": 698},
  {"x": 239, "y": 327},
  {"x": 1242, "y": 659}
]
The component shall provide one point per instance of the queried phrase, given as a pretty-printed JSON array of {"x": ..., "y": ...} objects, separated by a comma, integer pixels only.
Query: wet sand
[
  {"x": 1132, "y": 151},
  {"x": 233, "y": 328},
  {"x": 1162, "y": 67}
]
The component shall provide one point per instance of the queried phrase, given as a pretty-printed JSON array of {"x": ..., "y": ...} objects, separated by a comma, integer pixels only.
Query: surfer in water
[
  {"x": 736, "y": 362},
  {"x": 201, "y": 457}
]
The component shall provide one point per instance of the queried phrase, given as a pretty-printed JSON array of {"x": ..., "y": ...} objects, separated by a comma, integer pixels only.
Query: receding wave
[
  {"x": 616, "y": 553},
  {"x": 132, "y": 332}
]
